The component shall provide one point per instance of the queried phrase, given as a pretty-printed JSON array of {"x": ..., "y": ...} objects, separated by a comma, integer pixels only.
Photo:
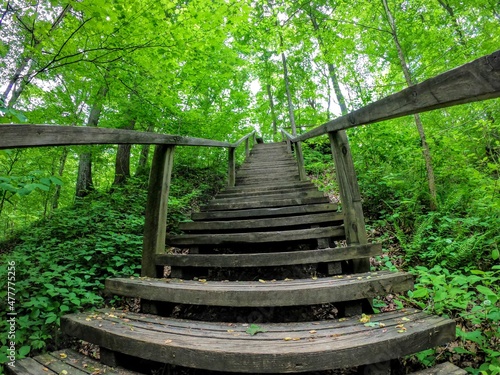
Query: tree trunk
[
  {"x": 331, "y": 69},
  {"x": 271, "y": 105},
  {"x": 122, "y": 165},
  {"x": 456, "y": 25},
  {"x": 298, "y": 146},
  {"x": 142, "y": 165},
  {"x": 418, "y": 122},
  {"x": 26, "y": 65},
  {"x": 62, "y": 164},
  {"x": 84, "y": 183}
]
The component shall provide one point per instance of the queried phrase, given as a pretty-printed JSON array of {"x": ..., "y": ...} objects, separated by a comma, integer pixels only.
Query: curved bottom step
[{"x": 275, "y": 348}]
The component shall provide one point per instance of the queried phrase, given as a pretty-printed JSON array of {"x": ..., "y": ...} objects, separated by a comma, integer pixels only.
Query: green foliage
[
  {"x": 62, "y": 262},
  {"x": 471, "y": 297}
]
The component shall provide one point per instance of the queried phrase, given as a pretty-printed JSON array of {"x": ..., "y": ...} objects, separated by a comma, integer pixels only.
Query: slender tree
[{"x": 418, "y": 122}]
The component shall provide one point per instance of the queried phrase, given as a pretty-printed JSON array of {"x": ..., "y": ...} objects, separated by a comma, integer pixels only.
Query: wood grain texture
[
  {"x": 231, "y": 167},
  {"x": 238, "y": 142},
  {"x": 155, "y": 222},
  {"x": 187, "y": 240},
  {"x": 446, "y": 368},
  {"x": 350, "y": 195},
  {"x": 313, "y": 346},
  {"x": 270, "y": 259},
  {"x": 294, "y": 194},
  {"x": 28, "y": 366},
  {"x": 20, "y": 136},
  {"x": 257, "y": 294},
  {"x": 472, "y": 82},
  {"x": 217, "y": 205},
  {"x": 334, "y": 218},
  {"x": 263, "y": 212},
  {"x": 72, "y": 362}
]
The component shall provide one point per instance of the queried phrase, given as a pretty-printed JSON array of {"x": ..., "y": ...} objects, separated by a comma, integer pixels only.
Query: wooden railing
[
  {"x": 472, "y": 82},
  {"x": 155, "y": 225}
]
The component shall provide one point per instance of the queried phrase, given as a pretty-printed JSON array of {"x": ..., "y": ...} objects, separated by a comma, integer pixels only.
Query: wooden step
[
  {"x": 187, "y": 240},
  {"x": 63, "y": 362},
  {"x": 217, "y": 205},
  {"x": 281, "y": 348},
  {"x": 287, "y": 185},
  {"x": 265, "y": 177},
  {"x": 334, "y": 218},
  {"x": 264, "y": 212},
  {"x": 298, "y": 292},
  {"x": 301, "y": 190},
  {"x": 273, "y": 195},
  {"x": 446, "y": 368},
  {"x": 265, "y": 172},
  {"x": 270, "y": 259},
  {"x": 262, "y": 165}
]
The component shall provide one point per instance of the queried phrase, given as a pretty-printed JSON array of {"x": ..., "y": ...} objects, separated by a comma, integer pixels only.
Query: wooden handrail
[
  {"x": 239, "y": 141},
  {"x": 22, "y": 136},
  {"x": 476, "y": 81}
]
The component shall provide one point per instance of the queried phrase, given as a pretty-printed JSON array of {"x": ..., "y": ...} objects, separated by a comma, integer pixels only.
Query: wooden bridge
[{"x": 269, "y": 220}]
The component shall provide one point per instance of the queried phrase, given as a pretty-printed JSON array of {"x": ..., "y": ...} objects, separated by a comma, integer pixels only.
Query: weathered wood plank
[
  {"x": 231, "y": 167},
  {"x": 262, "y": 212},
  {"x": 58, "y": 366},
  {"x": 255, "y": 237},
  {"x": 472, "y": 82},
  {"x": 257, "y": 294},
  {"x": 216, "y": 205},
  {"x": 287, "y": 221},
  {"x": 269, "y": 187},
  {"x": 446, "y": 368},
  {"x": 28, "y": 366},
  {"x": 88, "y": 365},
  {"x": 20, "y": 136},
  {"x": 67, "y": 360},
  {"x": 252, "y": 194},
  {"x": 245, "y": 138},
  {"x": 350, "y": 196},
  {"x": 155, "y": 224},
  {"x": 270, "y": 259},
  {"x": 313, "y": 346}
]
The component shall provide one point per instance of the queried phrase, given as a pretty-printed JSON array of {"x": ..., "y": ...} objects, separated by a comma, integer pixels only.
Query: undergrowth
[{"x": 61, "y": 263}]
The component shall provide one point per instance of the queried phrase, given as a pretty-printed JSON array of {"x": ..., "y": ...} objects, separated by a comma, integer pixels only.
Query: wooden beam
[
  {"x": 472, "y": 82},
  {"x": 155, "y": 225},
  {"x": 238, "y": 142},
  {"x": 231, "y": 167},
  {"x": 354, "y": 222},
  {"x": 21, "y": 136}
]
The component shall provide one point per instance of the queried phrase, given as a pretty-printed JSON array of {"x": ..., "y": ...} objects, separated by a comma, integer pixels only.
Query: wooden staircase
[{"x": 269, "y": 250}]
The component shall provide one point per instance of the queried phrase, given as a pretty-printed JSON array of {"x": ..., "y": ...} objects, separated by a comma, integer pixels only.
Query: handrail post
[
  {"x": 254, "y": 137},
  {"x": 231, "y": 167},
  {"x": 354, "y": 222},
  {"x": 155, "y": 224},
  {"x": 247, "y": 147},
  {"x": 300, "y": 161}
]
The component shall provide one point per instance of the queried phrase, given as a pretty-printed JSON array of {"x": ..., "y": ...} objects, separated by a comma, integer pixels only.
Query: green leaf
[
  {"x": 24, "y": 350},
  {"x": 495, "y": 254},
  {"x": 254, "y": 329},
  {"x": 420, "y": 293},
  {"x": 486, "y": 291}
]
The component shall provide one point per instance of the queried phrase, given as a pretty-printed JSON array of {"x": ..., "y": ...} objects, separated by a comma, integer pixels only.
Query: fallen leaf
[
  {"x": 202, "y": 280},
  {"x": 296, "y": 339},
  {"x": 365, "y": 318},
  {"x": 262, "y": 281},
  {"x": 405, "y": 319},
  {"x": 230, "y": 330},
  {"x": 312, "y": 331},
  {"x": 287, "y": 339},
  {"x": 64, "y": 372},
  {"x": 168, "y": 341},
  {"x": 63, "y": 355}
]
